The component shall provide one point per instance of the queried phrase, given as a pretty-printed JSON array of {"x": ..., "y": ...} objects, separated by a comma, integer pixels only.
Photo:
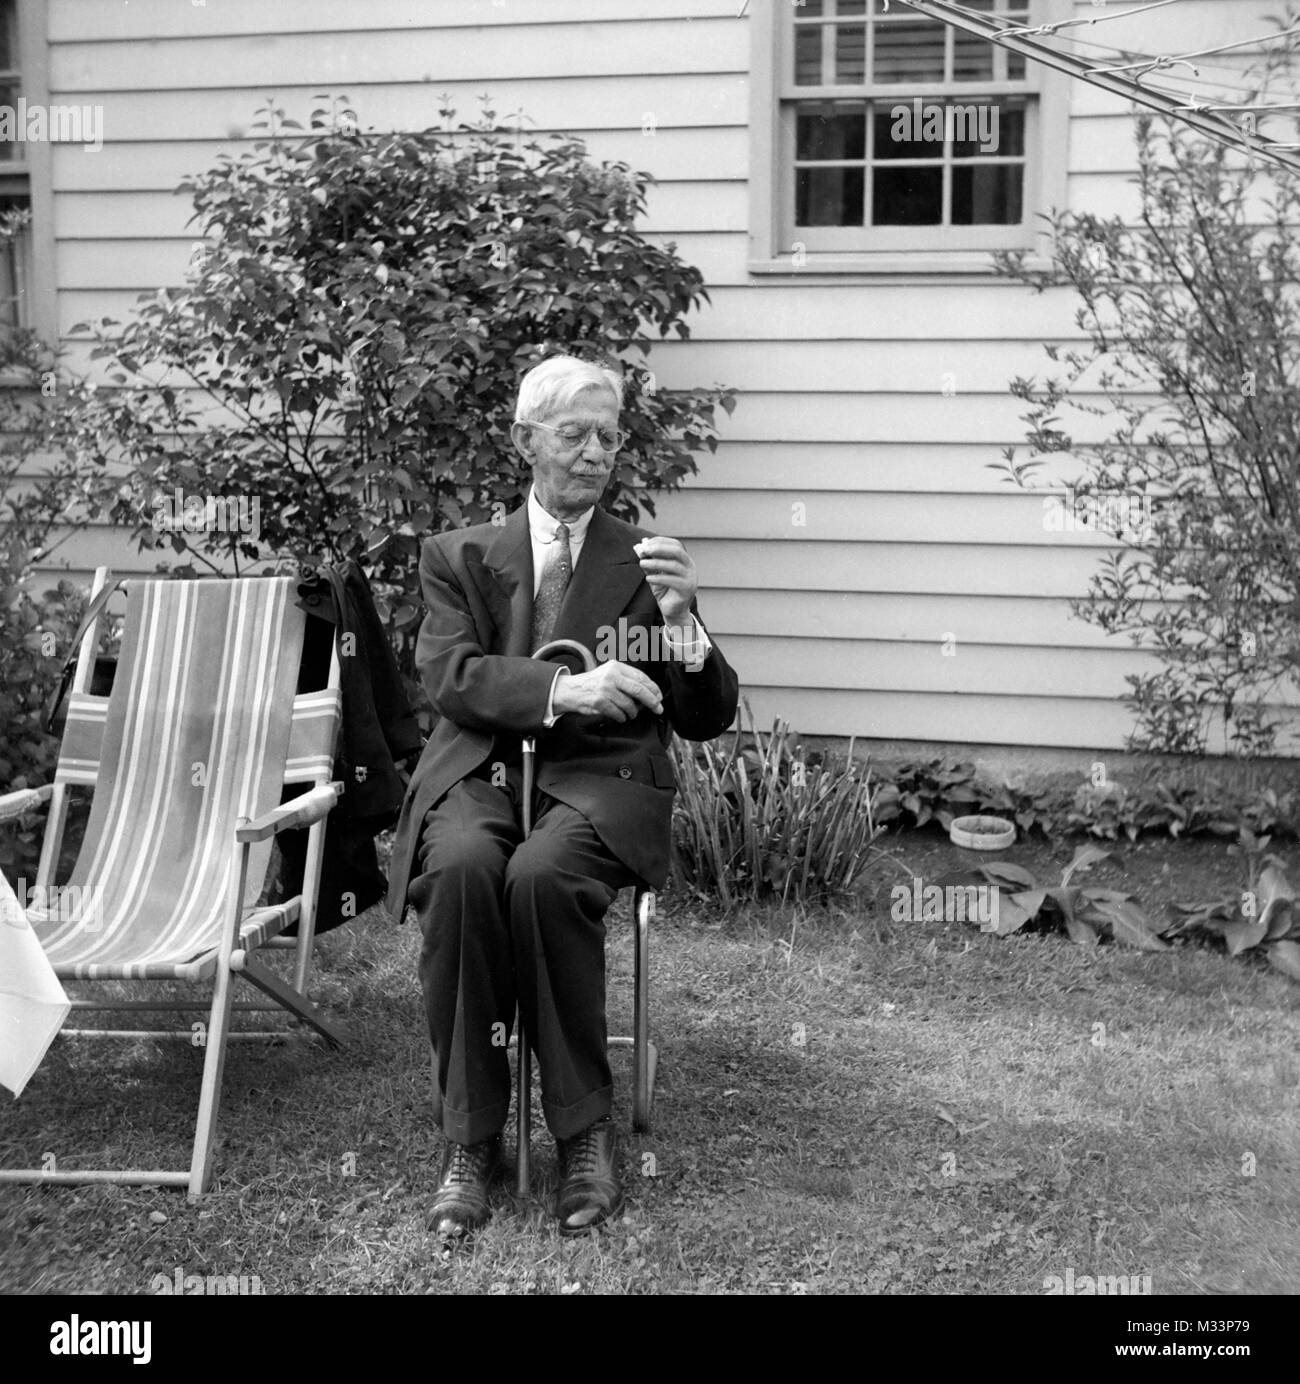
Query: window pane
[
  {"x": 8, "y": 286},
  {"x": 972, "y": 58},
  {"x": 807, "y": 9},
  {"x": 851, "y": 7},
  {"x": 987, "y": 123},
  {"x": 808, "y": 55},
  {"x": 8, "y": 36},
  {"x": 850, "y": 54},
  {"x": 987, "y": 194},
  {"x": 828, "y": 133},
  {"x": 907, "y": 196},
  {"x": 9, "y": 148},
  {"x": 911, "y": 51},
  {"x": 11, "y": 277},
  {"x": 896, "y": 135},
  {"x": 828, "y": 197}
]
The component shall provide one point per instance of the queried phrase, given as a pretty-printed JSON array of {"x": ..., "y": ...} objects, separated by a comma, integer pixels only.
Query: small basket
[{"x": 982, "y": 833}]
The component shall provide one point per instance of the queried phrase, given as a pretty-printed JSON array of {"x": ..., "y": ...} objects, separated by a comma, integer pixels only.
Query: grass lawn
[{"x": 845, "y": 1104}]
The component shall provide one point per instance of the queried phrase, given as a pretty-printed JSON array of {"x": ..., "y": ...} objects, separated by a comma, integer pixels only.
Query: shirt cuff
[
  {"x": 692, "y": 651},
  {"x": 550, "y": 718}
]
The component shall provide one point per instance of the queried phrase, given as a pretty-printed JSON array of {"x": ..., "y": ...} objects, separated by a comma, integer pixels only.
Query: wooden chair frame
[{"x": 231, "y": 959}]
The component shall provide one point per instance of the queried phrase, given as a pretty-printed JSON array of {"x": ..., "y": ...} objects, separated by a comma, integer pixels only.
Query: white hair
[{"x": 557, "y": 382}]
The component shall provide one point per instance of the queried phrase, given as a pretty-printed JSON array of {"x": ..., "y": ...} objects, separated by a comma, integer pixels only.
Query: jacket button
[{"x": 624, "y": 771}]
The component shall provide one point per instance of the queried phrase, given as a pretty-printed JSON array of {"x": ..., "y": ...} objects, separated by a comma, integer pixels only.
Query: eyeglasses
[{"x": 575, "y": 437}]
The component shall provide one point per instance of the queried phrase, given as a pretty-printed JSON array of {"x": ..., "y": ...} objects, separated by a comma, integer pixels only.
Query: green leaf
[
  {"x": 1031, "y": 900},
  {"x": 1277, "y": 894},
  {"x": 1129, "y": 925},
  {"x": 1081, "y": 932},
  {"x": 1011, "y": 917},
  {"x": 1001, "y": 872},
  {"x": 1285, "y": 956},
  {"x": 1084, "y": 857},
  {"x": 1242, "y": 935}
]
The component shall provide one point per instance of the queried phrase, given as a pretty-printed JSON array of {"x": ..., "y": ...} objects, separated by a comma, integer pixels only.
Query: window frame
[
  {"x": 774, "y": 248},
  {"x": 32, "y": 176}
]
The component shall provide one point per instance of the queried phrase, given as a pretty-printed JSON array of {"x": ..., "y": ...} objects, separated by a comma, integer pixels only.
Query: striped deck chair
[{"x": 188, "y": 758}]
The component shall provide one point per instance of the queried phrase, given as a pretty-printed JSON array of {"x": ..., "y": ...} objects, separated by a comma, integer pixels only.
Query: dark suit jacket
[{"x": 473, "y": 657}]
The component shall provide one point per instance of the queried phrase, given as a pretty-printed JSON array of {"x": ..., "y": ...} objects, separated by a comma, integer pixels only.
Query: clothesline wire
[
  {"x": 1137, "y": 59},
  {"x": 1128, "y": 79},
  {"x": 1072, "y": 23},
  {"x": 1052, "y": 28},
  {"x": 1164, "y": 60}
]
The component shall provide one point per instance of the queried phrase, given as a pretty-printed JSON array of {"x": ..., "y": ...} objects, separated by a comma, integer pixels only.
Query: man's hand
[
  {"x": 672, "y": 577},
  {"x": 613, "y": 690}
]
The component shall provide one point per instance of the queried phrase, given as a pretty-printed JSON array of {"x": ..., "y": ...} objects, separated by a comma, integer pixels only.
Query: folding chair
[
  {"x": 188, "y": 757},
  {"x": 645, "y": 1056}
]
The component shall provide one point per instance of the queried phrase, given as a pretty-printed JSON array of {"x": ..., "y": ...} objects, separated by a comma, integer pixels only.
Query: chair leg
[
  {"x": 523, "y": 1111},
  {"x": 214, "y": 1065},
  {"x": 288, "y": 997},
  {"x": 644, "y": 1054}
]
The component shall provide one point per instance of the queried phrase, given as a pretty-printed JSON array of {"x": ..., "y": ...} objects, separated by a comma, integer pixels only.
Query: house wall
[{"x": 866, "y": 571}]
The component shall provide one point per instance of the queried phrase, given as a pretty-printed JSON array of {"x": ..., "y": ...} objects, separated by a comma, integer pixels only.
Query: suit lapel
[
  {"x": 603, "y": 582},
  {"x": 507, "y": 585}
]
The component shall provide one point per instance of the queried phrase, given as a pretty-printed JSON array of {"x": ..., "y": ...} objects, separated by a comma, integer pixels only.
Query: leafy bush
[
  {"x": 1087, "y": 912},
  {"x": 915, "y": 793},
  {"x": 1193, "y": 323},
  {"x": 348, "y": 348},
  {"x": 1262, "y": 917},
  {"x": 765, "y": 819},
  {"x": 35, "y": 631}
]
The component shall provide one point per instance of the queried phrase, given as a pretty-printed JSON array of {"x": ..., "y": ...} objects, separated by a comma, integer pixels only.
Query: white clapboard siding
[
  {"x": 135, "y": 215},
  {"x": 850, "y": 526},
  {"x": 678, "y": 155},
  {"x": 629, "y": 48},
  {"x": 611, "y": 103},
  {"x": 969, "y": 718}
]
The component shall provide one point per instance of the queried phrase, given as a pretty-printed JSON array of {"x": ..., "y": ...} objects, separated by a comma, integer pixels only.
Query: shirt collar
[{"x": 542, "y": 525}]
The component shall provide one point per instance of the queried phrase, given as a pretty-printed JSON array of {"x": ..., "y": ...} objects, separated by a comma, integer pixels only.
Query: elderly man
[{"x": 508, "y": 921}]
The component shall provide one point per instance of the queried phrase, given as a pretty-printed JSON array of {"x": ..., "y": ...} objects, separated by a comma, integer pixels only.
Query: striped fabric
[
  {"x": 316, "y": 717},
  {"x": 83, "y": 738},
  {"x": 194, "y": 736}
]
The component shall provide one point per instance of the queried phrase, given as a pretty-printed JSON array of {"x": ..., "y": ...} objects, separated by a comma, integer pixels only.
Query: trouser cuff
[
  {"x": 564, "y": 1121},
  {"x": 473, "y": 1126}
]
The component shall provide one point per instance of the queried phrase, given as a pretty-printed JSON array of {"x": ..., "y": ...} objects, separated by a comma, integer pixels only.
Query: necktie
[{"x": 550, "y": 595}]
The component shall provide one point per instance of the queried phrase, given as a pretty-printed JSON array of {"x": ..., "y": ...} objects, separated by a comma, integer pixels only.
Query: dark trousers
[{"x": 509, "y": 921}]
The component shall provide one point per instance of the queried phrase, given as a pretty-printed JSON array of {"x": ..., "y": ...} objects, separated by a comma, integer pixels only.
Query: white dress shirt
[{"x": 541, "y": 531}]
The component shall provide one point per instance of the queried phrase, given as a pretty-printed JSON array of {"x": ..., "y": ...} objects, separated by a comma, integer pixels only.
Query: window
[
  {"x": 15, "y": 193},
  {"x": 882, "y": 132}
]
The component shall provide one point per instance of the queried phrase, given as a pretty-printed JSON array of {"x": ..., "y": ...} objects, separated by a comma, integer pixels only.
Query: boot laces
[
  {"x": 468, "y": 1163},
  {"x": 582, "y": 1154}
]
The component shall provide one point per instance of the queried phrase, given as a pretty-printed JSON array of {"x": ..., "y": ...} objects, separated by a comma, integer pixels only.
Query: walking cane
[{"x": 523, "y": 1053}]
